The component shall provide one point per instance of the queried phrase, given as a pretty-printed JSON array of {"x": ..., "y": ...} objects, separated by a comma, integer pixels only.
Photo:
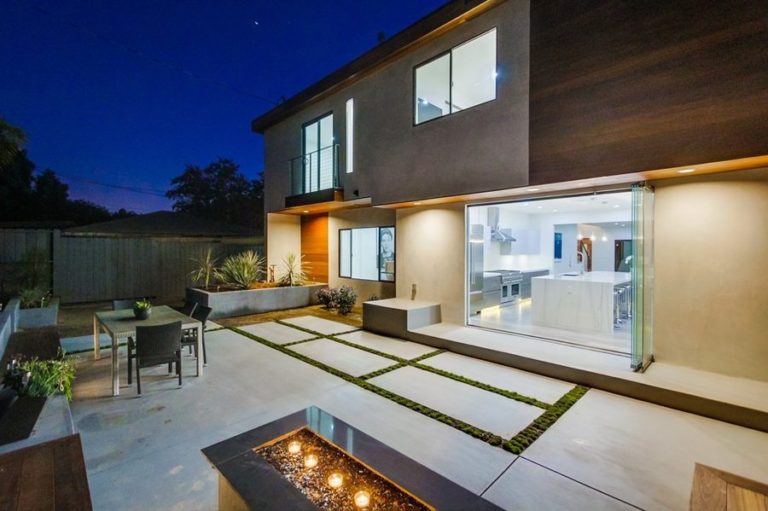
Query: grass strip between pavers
[
  {"x": 314, "y": 332},
  {"x": 540, "y": 424},
  {"x": 385, "y": 370},
  {"x": 486, "y": 436},
  {"x": 294, "y": 343},
  {"x": 440, "y": 372},
  {"x": 516, "y": 445}
]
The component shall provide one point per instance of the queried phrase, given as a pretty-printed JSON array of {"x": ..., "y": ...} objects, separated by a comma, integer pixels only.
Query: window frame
[
  {"x": 378, "y": 253},
  {"x": 449, "y": 52}
]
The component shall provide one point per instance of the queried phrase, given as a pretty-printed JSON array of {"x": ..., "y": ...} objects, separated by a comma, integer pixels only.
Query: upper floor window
[{"x": 461, "y": 78}]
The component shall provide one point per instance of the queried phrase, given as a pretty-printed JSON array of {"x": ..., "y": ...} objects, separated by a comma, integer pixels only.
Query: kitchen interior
[{"x": 557, "y": 269}]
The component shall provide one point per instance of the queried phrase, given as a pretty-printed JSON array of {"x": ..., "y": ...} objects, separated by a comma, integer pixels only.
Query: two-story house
[{"x": 590, "y": 172}]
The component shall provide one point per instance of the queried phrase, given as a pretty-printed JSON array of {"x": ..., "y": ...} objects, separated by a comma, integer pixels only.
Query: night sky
[{"x": 129, "y": 92}]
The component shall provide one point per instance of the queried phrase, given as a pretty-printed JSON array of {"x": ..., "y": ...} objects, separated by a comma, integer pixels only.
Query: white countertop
[{"x": 602, "y": 277}]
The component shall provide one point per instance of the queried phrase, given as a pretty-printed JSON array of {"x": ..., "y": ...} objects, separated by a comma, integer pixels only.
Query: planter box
[
  {"x": 40, "y": 316},
  {"x": 226, "y": 304}
]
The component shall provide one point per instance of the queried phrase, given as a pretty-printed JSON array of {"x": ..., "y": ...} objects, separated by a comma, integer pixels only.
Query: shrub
[
  {"x": 293, "y": 271},
  {"x": 241, "y": 270},
  {"x": 328, "y": 297},
  {"x": 42, "y": 378},
  {"x": 33, "y": 297},
  {"x": 205, "y": 269},
  {"x": 346, "y": 299}
]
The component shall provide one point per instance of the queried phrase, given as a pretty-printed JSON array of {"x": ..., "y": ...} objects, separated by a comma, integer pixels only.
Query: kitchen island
[{"x": 578, "y": 302}]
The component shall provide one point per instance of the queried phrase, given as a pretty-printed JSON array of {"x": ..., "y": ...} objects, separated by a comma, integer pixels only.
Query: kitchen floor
[{"x": 517, "y": 319}]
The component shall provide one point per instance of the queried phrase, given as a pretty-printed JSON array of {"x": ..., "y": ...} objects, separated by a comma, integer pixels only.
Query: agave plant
[
  {"x": 294, "y": 273},
  {"x": 241, "y": 270}
]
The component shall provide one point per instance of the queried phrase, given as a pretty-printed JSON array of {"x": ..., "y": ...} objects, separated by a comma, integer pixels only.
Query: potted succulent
[{"x": 142, "y": 309}]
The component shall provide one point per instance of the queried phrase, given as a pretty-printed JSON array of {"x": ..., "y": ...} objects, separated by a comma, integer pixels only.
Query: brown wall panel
[
  {"x": 314, "y": 246},
  {"x": 621, "y": 86}
]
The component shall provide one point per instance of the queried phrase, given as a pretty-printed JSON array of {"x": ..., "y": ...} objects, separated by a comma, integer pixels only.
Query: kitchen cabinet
[{"x": 528, "y": 241}]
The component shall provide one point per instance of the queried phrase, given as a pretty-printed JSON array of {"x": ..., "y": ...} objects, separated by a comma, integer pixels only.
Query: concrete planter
[
  {"x": 40, "y": 316},
  {"x": 226, "y": 304}
]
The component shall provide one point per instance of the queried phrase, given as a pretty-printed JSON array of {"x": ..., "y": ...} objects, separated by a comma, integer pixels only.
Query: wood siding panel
[
  {"x": 314, "y": 246},
  {"x": 622, "y": 86}
]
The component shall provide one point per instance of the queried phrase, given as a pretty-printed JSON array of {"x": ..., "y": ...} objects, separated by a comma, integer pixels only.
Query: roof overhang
[{"x": 592, "y": 184}]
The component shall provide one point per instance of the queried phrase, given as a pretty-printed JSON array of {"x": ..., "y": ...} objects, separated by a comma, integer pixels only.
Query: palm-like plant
[
  {"x": 241, "y": 270},
  {"x": 294, "y": 271},
  {"x": 205, "y": 270}
]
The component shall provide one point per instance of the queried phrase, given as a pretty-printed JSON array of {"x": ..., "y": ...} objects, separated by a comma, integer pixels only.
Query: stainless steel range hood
[{"x": 497, "y": 233}]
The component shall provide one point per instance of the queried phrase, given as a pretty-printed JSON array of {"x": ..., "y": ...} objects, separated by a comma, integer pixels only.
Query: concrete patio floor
[{"x": 607, "y": 452}]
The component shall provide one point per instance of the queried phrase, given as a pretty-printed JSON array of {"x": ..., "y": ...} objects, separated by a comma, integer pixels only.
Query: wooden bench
[
  {"x": 45, "y": 476},
  {"x": 715, "y": 490}
]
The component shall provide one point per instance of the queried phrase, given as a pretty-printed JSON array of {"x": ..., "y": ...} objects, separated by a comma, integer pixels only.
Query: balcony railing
[{"x": 315, "y": 171}]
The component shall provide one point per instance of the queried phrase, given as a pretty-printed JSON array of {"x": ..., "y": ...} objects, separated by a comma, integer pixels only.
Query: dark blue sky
[{"x": 96, "y": 103}]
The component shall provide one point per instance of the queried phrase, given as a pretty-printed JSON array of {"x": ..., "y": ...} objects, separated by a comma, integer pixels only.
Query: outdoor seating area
[{"x": 509, "y": 436}]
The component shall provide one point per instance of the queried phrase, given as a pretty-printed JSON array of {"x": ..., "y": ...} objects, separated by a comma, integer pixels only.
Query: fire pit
[{"x": 312, "y": 460}]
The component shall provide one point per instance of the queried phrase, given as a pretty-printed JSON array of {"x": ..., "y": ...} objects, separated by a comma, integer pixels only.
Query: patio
[{"x": 605, "y": 452}]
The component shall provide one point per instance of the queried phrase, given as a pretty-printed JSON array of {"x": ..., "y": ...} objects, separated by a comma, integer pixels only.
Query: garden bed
[
  {"x": 226, "y": 304},
  {"x": 38, "y": 317}
]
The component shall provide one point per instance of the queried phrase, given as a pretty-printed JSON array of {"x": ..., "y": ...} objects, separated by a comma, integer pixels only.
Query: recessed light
[
  {"x": 417, "y": 203},
  {"x": 616, "y": 206},
  {"x": 686, "y": 171},
  {"x": 305, "y": 211},
  {"x": 532, "y": 189}
]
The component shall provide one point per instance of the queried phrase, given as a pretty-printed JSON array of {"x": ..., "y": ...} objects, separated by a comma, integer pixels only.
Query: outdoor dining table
[{"x": 121, "y": 324}]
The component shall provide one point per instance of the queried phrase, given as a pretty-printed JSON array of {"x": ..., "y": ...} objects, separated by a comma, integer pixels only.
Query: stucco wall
[
  {"x": 430, "y": 254},
  {"x": 711, "y": 296},
  {"x": 435, "y": 158},
  {"x": 352, "y": 218},
  {"x": 283, "y": 236}
]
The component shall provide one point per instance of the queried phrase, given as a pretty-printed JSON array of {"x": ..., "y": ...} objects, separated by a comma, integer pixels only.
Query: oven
[{"x": 511, "y": 281}]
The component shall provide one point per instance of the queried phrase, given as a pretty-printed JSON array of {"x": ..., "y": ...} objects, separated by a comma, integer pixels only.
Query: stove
[{"x": 510, "y": 286}]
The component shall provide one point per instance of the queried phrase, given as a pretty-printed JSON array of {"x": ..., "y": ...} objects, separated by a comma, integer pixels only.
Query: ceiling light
[
  {"x": 417, "y": 203},
  {"x": 616, "y": 206},
  {"x": 686, "y": 171},
  {"x": 532, "y": 189},
  {"x": 305, "y": 211}
]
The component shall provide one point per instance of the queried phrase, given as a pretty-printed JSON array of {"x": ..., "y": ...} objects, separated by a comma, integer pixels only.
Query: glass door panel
[
  {"x": 319, "y": 154},
  {"x": 641, "y": 268}
]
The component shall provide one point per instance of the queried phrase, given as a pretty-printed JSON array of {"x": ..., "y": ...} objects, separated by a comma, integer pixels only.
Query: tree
[
  {"x": 219, "y": 191},
  {"x": 12, "y": 140}
]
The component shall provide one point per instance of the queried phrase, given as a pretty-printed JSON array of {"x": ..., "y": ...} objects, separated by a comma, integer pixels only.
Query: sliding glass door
[{"x": 319, "y": 154}]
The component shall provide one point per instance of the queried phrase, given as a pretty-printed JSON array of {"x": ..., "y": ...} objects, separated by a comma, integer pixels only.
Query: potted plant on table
[{"x": 142, "y": 309}]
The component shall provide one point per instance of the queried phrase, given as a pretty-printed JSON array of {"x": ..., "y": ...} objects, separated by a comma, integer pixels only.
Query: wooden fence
[{"x": 90, "y": 268}]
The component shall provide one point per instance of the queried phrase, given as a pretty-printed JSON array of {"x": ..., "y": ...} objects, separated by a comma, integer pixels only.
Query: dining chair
[
  {"x": 189, "y": 337},
  {"x": 155, "y": 345},
  {"x": 122, "y": 304},
  {"x": 188, "y": 309}
]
